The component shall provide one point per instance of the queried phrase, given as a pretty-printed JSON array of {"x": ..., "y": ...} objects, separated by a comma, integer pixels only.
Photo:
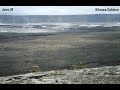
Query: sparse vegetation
[
  {"x": 35, "y": 69},
  {"x": 58, "y": 73},
  {"x": 77, "y": 66}
]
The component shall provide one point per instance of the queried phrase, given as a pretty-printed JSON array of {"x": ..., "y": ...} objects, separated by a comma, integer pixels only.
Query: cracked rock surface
[{"x": 100, "y": 75}]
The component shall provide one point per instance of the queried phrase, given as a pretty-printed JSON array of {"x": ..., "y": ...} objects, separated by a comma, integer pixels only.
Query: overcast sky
[{"x": 56, "y": 10}]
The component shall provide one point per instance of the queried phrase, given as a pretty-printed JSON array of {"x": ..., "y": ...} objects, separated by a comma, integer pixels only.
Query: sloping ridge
[{"x": 100, "y": 75}]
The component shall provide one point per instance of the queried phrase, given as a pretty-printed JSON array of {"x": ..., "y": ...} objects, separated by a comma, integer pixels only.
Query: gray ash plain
[{"x": 93, "y": 47}]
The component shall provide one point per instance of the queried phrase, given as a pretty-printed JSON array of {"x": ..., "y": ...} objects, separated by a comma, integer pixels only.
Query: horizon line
[{"x": 56, "y": 15}]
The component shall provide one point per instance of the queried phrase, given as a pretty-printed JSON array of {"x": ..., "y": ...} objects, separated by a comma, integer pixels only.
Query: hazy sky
[{"x": 56, "y": 10}]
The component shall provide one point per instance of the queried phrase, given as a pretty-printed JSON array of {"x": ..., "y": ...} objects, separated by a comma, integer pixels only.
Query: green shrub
[{"x": 35, "y": 69}]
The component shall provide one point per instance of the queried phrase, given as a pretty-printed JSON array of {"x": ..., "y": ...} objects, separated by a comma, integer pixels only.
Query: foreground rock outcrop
[{"x": 101, "y": 75}]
